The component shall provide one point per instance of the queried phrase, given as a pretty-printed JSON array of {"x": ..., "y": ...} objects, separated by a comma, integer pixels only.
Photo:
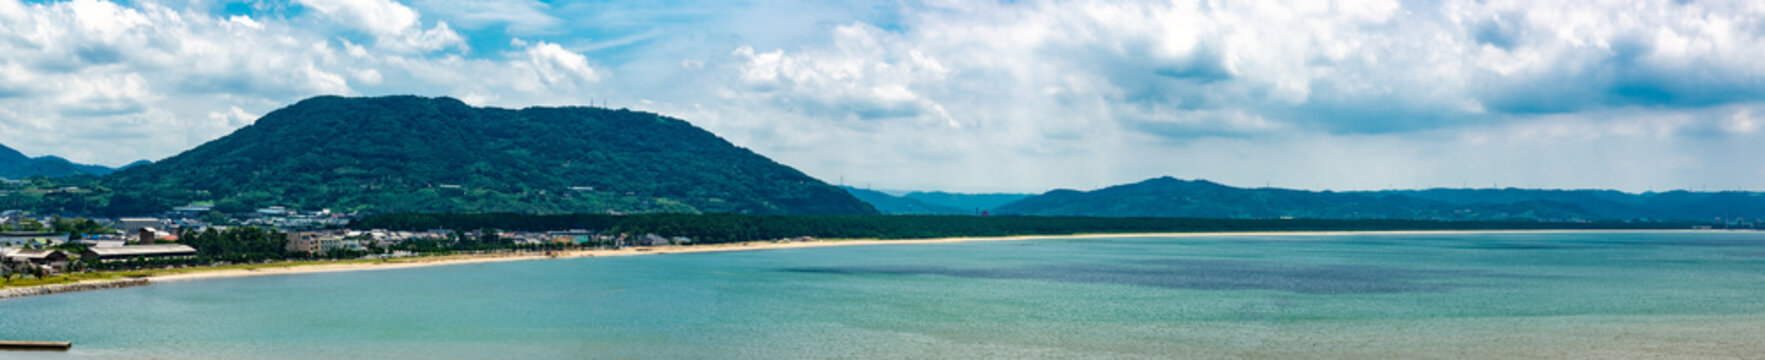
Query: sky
[{"x": 971, "y": 96}]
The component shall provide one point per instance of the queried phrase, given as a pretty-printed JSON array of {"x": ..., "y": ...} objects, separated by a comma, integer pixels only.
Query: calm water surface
[{"x": 1590, "y": 295}]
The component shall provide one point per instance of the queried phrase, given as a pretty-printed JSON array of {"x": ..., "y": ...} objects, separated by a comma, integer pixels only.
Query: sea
[{"x": 1598, "y": 295}]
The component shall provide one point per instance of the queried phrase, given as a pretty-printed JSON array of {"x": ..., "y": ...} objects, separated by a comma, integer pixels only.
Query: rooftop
[
  {"x": 32, "y": 254},
  {"x": 142, "y": 250}
]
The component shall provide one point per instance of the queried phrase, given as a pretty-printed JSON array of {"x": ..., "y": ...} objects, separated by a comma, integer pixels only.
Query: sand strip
[{"x": 767, "y": 245}]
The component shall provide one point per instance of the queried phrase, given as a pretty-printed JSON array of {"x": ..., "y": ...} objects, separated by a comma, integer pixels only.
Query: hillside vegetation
[
  {"x": 895, "y": 205},
  {"x": 407, "y": 153},
  {"x": 1170, "y": 197},
  {"x": 15, "y": 165}
]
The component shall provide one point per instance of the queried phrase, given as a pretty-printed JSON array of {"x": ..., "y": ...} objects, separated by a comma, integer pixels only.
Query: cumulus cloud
[
  {"x": 518, "y": 17},
  {"x": 1128, "y": 89},
  {"x": 965, "y": 95},
  {"x": 98, "y": 81},
  {"x": 555, "y": 66},
  {"x": 393, "y": 25}
]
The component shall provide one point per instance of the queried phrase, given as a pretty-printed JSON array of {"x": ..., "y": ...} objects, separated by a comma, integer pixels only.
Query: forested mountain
[
  {"x": 967, "y": 202},
  {"x": 895, "y": 205},
  {"x": 15, "y": 165},
  {"x": 415, "y": 154},
  {"x": 1611, "y": 204},
  {"x": 1169, "y": 197}
]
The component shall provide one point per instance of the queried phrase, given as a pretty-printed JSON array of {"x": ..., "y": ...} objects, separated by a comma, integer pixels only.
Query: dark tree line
[
  {"x": 240, "y": 244},
  {"x": 723, "y": 228}
]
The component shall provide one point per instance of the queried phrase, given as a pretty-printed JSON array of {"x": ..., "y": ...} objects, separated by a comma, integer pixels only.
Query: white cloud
[
  {"x": 231, "y": 118},
  {"x": 556, "y": 66},
  {"x": 520, "y": 17},
  {"x": 966, "y": 95},
  {"x": 1127, "y": 89},
  {"x": 99, "y": 82},
  {"x": 393, "y": 25}
]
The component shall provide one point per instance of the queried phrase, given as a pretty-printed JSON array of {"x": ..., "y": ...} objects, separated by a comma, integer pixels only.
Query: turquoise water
[{"x": 1596, "y": 295}]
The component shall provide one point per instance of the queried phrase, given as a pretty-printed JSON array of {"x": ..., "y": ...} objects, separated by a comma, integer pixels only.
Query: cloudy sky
[{"x": 963, "y": 95}]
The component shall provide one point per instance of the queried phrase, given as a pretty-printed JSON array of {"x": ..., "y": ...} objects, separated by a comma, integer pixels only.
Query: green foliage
[
  {"x": 1168, "y": 197},
  {"x": 239, "y": 244},
  {"x": 403, "y": 154},
  {"x": 24, "y": 225},
  {"x": 79, "y": 228},
  {"x": 15, "y": 165}
]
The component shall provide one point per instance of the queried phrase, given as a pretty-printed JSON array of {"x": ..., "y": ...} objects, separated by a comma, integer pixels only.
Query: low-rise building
[
  {"x": 132, "y": 225},
  {"x": 653, "y": 240},
  {"x": 314, "y": 242},
  {"x": 54, "y": 259},
  {"x": 145, "y": 252},
  {"x": 103, "y": 242}
]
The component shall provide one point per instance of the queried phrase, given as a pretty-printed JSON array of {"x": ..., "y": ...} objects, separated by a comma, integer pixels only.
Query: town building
[
  {"x": 314, "y": 242},
  {"x": 133, "y": 225},
  {"x": 102, "y": 242},
  {"x": 577, "y": 237},
  {"x": 145, "y": 252},
  {"x": 53, "y": 259}
]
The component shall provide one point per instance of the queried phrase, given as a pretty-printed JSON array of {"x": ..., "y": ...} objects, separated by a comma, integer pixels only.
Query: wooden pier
[{"x": 35, "y": 345}]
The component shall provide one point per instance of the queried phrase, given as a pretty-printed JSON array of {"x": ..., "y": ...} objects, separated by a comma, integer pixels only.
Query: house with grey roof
[
  {"x": 144, "y": 252},
  {"x": 54, "y": 259}
]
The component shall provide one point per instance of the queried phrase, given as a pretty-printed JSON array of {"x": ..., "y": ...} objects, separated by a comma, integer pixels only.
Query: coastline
[
  {"x": 767, "y": 245},
  {"x": 190, "y": 274}
]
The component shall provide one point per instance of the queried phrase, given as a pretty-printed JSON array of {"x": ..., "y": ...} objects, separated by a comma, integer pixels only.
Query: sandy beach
[{"x": 406, "y": 263}]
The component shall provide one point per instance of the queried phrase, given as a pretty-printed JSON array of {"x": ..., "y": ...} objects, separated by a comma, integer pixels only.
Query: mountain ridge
[
  {"x": 16, "y": 165},
  {"x": 896, "y": 205},
  {"x": 410, "y": 153},
  {"x": 1171, "y": 197}
]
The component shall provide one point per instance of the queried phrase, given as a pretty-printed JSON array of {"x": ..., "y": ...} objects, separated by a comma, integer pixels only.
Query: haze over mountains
[
  {"x": 415, "y": 154},
  {"x": 15, "y": 165},
  {"x": 1170, "y": 197},
  {"x": 934, "y": 203}
]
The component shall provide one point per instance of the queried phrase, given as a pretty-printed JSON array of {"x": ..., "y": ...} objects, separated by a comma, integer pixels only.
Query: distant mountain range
[
  {"x": 15, "y": 165},
  {"x": 415, "y": 154},
  {"x": 933, "y": 203},
  {"x": 967, "y": 202},
  {"x": 1170, "y": 197},
  {"x": 895, "y": 205}
]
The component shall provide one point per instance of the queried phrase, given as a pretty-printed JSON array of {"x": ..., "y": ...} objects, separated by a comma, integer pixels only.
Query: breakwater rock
[{"x": 67, "y": 288}]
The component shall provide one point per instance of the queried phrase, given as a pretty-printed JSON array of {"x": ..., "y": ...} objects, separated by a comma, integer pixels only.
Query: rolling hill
[
  {"x": 416, "y": 154},
  {"x": 15, "y": 165},
  {"x": 968, "y": 202},
  {"x": 895, "y": 205},
  {"x": 1170, "y": 197}
]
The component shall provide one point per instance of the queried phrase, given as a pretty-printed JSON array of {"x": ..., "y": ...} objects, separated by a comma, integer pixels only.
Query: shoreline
[{"x": 445, "y": 260}]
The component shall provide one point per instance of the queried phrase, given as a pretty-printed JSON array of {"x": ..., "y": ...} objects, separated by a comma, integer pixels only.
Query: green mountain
[
  {"x": 1169, "y": 197},
  {"x": 969, "y": 202},
  {"x": 415, "y": 154},
  {"x": 895, "y": 205},
  {"x": 1612, "y": 204},
  {"x": 15, "y": 165}
]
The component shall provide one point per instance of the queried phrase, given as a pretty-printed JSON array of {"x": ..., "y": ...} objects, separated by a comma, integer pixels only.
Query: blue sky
[{"x": 963, "y": 95}]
